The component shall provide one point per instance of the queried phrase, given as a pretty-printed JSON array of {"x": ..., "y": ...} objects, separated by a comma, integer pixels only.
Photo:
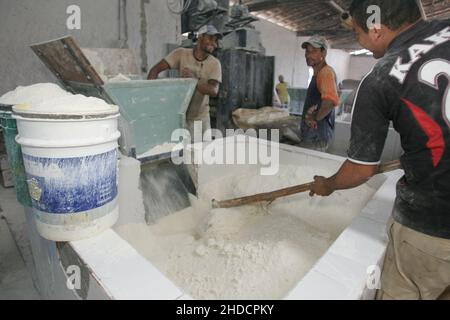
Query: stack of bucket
[{"x": 14, "y": 152}]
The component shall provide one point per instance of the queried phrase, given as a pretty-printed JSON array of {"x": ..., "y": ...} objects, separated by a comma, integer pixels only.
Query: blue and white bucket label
[{"x": 72, "y": 185}]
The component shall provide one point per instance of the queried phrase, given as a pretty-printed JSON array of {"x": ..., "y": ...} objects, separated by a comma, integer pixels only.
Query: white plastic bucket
[{"x": 72, "y": 171}]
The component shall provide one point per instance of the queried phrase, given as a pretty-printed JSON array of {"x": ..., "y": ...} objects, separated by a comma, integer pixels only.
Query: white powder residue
[
  {"x": 159, "y": 149},
  {"x": 33, "y": 94},
  {"x": 253, "y": 252}
]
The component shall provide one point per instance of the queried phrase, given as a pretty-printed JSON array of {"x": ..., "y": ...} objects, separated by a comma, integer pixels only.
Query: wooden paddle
[{"x": 271, "y": 196}]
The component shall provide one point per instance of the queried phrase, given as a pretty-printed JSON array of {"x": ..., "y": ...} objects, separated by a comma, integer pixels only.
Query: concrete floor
[{"x": 16, "y": 262}]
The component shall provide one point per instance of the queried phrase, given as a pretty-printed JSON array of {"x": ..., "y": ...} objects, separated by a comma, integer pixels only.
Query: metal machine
[
  {"x": 198, "y": 13},
  {"x": 247, "y": 73},
  {"x": 241, "y": 34}
]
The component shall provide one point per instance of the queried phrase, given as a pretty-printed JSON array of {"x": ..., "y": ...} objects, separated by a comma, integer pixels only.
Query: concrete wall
[
  {"x": 360, "y": 66},
  {"x": 150, "y": 26},
  {"x": 162, "y": 27}
]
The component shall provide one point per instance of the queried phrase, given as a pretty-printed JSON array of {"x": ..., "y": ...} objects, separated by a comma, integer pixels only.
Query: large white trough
[{"x": 319, "y": 248}]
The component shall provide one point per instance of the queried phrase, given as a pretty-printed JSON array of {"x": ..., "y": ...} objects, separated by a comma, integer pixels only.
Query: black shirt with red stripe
[{"x": 410, "y": 86}]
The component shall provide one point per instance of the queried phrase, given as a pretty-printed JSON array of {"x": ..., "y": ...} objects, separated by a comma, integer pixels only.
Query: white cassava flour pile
[
  {"x": 250, "y": 252},
  {"x": 33, "y": 94},
  {"x": 73, "y": 104},
  {"x": 50, "y": 98}
]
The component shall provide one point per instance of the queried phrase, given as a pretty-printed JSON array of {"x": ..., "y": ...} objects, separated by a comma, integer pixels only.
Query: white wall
[
  {"x": 360, "y": 66},
  {"x": 339, "y": 60},
  {"x": 24, "y": 22},
  {"x": 290, "y": 57}
]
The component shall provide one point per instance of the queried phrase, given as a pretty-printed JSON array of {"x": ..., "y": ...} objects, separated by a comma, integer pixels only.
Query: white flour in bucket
[
  {"x": 247, "y": 252},
  {"x": 72, "y": 104},
  {"x": 33, "y": 94},
  {"x": 50, "y": 98}
]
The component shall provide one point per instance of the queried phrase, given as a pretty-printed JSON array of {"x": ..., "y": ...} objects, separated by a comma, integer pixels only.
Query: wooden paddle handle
[{"x": 271, "y": 196}]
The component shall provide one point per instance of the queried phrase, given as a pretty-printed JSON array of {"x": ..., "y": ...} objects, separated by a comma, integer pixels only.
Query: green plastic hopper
[{"x": 152, "y": 109}]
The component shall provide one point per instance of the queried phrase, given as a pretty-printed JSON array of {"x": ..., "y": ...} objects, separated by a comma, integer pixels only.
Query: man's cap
[
  {"x": 211, "y": 31},
  {"x": 317, "y": 42}
]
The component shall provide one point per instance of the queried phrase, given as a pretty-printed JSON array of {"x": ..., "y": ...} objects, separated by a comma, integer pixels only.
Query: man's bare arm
[
  {"x": 211, "y": 88},
  {"x": 313, "y": 116},
  {"x": 350, "y": 175},
  {"x": 325, "y": 109},
  {"x": 157, "y": 69}
]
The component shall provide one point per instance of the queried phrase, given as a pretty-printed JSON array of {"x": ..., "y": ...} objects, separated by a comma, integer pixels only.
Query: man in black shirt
[{"x": 410, "y": 87}]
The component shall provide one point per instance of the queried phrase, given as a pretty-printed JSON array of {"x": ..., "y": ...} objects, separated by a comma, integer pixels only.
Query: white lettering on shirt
[{"x": 400, "y": 70}]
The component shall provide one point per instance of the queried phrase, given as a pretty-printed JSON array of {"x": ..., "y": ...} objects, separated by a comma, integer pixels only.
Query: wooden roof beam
[
  {"x": 309, "y": 33},
  {"x": 259, "y": 5}
]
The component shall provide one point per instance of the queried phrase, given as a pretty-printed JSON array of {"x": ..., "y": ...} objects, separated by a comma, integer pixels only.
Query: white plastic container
[{"x": 70, "y": 158}]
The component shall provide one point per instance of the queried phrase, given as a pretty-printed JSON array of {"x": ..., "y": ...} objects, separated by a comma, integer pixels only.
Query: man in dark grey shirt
[{"x": 410, "y": 87}]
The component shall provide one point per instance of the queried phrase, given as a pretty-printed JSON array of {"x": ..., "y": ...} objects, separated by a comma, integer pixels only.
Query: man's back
[{"x": 410, "y": 87}]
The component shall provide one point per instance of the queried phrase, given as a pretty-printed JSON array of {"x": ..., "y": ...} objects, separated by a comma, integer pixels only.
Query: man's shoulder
[
  {"x": 400, "y": 58},
  {"x": 327, "y": 71},
  {"x": 438, "y": 25},
  {"x": 378, "y": 84},
  {"x": 181, "y": 51},
  {"x": 328, "y": 68},
  {"x": 380, "y": 72},
  {"x": 377, "y": 76},
  {"x": 213, "y": 64},
  {"x": 214, "y": 60}
]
